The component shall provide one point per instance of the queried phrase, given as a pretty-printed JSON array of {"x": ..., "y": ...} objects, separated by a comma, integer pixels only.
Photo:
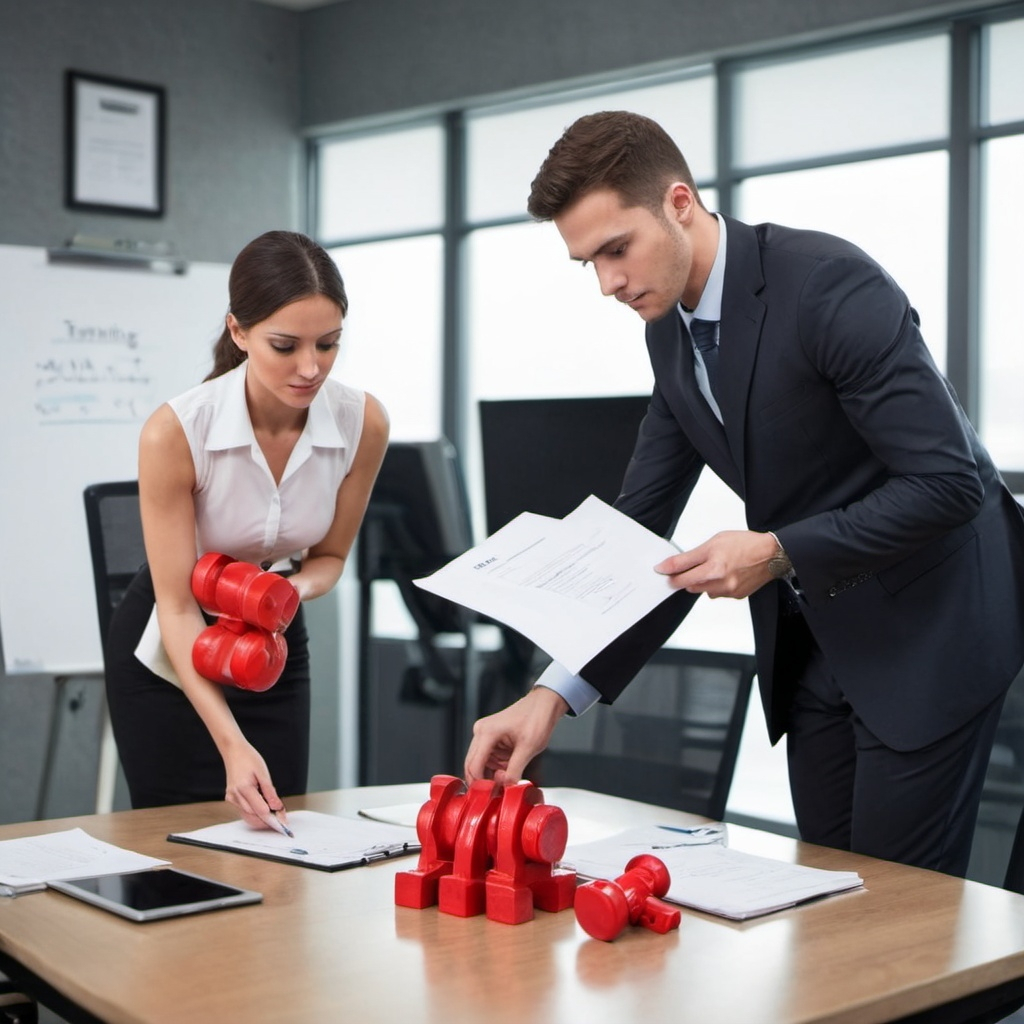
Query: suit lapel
[
  {"x": 739, "y": 333},
  {"x": 671, "y": 355}
]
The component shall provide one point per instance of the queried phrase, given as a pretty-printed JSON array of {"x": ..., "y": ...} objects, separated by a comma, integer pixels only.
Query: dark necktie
[{"x": 703, "y": 333}]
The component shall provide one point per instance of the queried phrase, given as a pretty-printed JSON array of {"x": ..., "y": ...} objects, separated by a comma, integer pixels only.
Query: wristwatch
[{"x": 779, "y": 565}]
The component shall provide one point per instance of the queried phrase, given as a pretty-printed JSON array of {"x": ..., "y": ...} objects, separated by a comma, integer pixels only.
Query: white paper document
[
  {"x": 393, "y": 814},
  {"x": 707, "y": 875},
  {"x": 27, "y": 864},
  {"x": 570, "y": 585},
  {"x": 323, "y": 841}
]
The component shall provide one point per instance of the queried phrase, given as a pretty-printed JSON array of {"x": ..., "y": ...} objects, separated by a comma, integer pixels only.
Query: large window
[
  {"x": 1002, "y": 252},
  {"x": 457, "y": 296},
  {"x": 877, "y": 204},
  {"x": 382, "y": 183},
  {"x": 380, "y": 211},
  {"x": 1002, "y": 326},
  {"x": 391, "y": 344},
  {"x": 862, "y": 99},
  {"x": 505, "y": 147}
]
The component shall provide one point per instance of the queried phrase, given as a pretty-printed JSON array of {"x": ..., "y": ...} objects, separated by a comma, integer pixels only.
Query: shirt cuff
[{"x": 574, "y": 690}]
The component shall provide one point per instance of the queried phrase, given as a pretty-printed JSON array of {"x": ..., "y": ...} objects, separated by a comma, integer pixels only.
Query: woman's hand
[{"x": 250, "y": 789}]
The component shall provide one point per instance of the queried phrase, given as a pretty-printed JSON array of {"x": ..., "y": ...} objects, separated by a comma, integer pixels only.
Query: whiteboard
[{"x": 86, "y": 354}]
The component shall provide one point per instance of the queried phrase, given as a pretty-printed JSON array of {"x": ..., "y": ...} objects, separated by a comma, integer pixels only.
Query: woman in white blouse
[{"x": 268, "y": 461}]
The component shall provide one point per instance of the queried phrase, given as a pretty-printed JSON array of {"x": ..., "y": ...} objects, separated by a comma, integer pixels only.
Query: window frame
[{"x": 963, "y": 143}]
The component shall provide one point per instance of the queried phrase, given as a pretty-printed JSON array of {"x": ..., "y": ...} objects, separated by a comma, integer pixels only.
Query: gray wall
[
  {"x": 365, "y": 58},
  {"x": 231, "y": 71}
]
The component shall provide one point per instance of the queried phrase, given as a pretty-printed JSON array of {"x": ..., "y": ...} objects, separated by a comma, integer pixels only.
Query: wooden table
[{"x": 326, "y": 947}]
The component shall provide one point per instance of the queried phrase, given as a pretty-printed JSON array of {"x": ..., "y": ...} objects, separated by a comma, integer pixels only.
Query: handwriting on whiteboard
[{"x": 92, "y": 373}]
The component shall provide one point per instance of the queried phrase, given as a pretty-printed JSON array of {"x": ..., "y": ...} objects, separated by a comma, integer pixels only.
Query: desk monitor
[
  {"x": 417, "y": 520},
  {"x": 418, "y": 516},
  {"x": 545, "y": 455}
]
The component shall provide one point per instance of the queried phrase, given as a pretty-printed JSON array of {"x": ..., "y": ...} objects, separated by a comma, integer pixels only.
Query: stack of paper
[
  {"x": 27, "y": 864},
  {"x": 709, "y": 876},
  {"x": 570, "y": 585}
]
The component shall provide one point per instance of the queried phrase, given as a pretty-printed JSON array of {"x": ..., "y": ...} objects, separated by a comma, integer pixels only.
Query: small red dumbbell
[
  {"x": 604, "y": 908},
  {"x": 244, "y": 647}
]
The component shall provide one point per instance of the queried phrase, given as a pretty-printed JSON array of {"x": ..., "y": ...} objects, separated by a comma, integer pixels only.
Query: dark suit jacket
[{"x": 843, "y": 438}]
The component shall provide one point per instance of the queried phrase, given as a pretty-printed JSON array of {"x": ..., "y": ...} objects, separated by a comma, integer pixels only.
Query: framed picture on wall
[{"x": 114, "y": 145}]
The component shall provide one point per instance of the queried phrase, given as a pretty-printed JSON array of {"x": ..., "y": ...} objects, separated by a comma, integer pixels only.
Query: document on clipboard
[{"x": 323, "y": 841}]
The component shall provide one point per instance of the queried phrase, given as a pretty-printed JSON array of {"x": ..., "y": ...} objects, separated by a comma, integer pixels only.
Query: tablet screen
[{"x": 156, "y": 893}]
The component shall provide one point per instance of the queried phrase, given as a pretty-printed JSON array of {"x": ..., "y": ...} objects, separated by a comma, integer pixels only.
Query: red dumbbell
[
  {"x": 244, "y": 647},
  {"x": 249, "y": 658},
  {"x": 243, "y": 591},
  {"x": 604, "y": 908}
]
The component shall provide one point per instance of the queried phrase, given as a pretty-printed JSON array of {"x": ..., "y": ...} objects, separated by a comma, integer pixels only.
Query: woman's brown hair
[{"x": 273, "y": 270}]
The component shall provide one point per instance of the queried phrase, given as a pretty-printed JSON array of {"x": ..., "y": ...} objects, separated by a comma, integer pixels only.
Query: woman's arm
[
  {"x": 323, "y": 566},
  {"x": 166, "y": 485}
]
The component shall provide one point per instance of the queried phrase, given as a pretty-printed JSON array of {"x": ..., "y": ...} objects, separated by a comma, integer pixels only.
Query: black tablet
[{"x": 156, "y": 893}]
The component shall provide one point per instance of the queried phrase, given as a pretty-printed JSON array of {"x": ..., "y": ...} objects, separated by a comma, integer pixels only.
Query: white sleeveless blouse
[{"x": 240, "y": 510}]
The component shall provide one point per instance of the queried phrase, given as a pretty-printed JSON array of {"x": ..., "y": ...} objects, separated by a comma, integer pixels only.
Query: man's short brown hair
[{"x": 614, "y": 149}]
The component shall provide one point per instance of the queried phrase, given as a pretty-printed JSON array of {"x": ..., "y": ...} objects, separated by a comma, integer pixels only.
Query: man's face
[{"x": 642, "y": 259}]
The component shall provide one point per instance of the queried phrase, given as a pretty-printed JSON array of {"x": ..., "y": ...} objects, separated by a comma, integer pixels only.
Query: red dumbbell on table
[{"x": 604, "y": 907}]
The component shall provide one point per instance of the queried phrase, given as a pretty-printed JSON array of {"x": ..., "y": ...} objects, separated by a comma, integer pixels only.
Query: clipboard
[{"x": 325, "y": 842}]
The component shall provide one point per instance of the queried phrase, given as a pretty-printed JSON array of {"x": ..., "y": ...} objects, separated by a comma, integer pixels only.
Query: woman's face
[{"x": 290, "y": 353}]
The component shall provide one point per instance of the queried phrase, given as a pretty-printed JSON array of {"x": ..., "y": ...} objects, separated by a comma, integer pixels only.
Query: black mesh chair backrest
[
  {"x": 670, "y": 739},
  {"x": 115, "y": 543}
]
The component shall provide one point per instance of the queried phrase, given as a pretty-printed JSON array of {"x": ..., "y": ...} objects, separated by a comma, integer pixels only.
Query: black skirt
[{"x": 166, "y": 752}]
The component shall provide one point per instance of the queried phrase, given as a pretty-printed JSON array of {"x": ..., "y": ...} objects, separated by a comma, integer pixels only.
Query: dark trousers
[
  {"x": 852, "y": 792},
  {"x": 166, "y": 752}
]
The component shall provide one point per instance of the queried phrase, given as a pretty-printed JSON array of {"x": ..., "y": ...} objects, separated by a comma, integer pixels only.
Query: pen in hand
[{"x": 275, "y": 822}]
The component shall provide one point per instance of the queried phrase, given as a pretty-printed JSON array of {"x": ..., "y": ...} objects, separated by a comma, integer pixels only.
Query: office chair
[
  {"x": 115, "y": 543},
  {"x": 15, "y": 1006},
  {"x": 670, "y": 739}
]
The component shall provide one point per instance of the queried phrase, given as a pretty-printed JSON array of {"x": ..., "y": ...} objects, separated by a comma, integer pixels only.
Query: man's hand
[
  {"x": 733, "y": 563},
  {"x": 504, "y": 743}
]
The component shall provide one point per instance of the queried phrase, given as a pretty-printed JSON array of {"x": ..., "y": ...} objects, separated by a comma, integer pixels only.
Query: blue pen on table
[
  {"x": 697, "y": 830},
  {"x": 699, "y": 835}
]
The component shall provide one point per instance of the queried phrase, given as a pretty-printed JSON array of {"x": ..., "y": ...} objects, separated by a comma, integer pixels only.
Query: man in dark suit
[{"x": 884, "y": 557}]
